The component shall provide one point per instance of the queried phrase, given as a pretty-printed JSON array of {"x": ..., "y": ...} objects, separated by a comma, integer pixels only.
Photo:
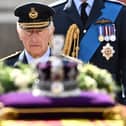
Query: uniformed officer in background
[
  {"x": 102, "y": 33},
  {"x": 35, "y": 29}
]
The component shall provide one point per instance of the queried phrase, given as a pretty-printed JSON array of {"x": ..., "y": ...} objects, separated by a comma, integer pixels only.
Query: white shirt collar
[
  {"x": 78, "y": 5},
  {"x": 44, "y": 58}
]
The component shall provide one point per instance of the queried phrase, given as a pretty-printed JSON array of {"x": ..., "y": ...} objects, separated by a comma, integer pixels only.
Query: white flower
[{"x": 15, "y": 73}]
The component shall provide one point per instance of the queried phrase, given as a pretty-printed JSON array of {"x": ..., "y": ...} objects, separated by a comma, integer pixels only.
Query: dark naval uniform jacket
[
  {"x": 66, "y": 14},
  {"x": 13, "y": 59}
]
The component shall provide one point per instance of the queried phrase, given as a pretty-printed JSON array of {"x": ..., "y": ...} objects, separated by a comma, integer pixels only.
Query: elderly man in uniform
[
  {"x": 102, "y": 38},
  {"x": 35, "y": 29}
]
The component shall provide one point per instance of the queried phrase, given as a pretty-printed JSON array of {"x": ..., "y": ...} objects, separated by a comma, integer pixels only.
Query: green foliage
[
  {"x": 12, "y": 79},
  {"x": 90, "y": 77},
  {"x": 93, "y": 78}
]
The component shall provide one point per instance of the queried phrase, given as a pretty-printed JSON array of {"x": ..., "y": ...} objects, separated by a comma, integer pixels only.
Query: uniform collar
[
  {"x": 79, "y": 2},
  {"x": 95, "y": 12},
  {"x": 43, "y": 58}
]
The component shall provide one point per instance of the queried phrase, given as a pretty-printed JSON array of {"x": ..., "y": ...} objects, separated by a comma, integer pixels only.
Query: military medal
[
  {"x": 113, "y": 33},
  {"x": 107, "y": 38},
  {"x": 107, "y": 51},
  {"x": 112, "y": 38},
  {"x": 101, "y": 37}
]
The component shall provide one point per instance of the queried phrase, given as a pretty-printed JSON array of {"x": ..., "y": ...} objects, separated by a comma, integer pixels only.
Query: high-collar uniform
[
  {"x": 26, "y": 58},
  {"x": 67, "y": 14}
]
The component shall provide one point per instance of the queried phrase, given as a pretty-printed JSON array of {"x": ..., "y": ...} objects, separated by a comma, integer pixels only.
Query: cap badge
[
  {"x": 107, "y": 51},
  {"x": 33, "y": 14}
]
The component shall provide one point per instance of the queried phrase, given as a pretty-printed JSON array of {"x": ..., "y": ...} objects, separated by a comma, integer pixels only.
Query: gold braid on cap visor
[{"x": 34, "y": 25}]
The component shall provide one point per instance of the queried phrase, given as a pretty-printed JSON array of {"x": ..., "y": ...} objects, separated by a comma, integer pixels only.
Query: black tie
[{"x": 84, "y": 16}]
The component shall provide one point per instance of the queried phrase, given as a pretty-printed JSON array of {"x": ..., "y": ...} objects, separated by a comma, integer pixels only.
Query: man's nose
[
  {"x": 34, "y": 32},
  {"x": 34, "y": 35}
]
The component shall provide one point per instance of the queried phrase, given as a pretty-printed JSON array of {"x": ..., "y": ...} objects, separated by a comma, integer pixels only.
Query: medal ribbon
[{"x": 89, "y": 43}]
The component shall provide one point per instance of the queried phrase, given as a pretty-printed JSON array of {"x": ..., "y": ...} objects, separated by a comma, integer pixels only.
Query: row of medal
[{"x": 107, "y": 32}]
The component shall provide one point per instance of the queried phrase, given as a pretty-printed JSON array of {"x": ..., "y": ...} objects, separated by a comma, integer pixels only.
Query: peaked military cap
[{"x": 34, "y": 15}]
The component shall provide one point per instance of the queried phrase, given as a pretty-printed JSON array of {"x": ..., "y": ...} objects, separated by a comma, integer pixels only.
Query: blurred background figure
[{"x": 57, "y": 44}]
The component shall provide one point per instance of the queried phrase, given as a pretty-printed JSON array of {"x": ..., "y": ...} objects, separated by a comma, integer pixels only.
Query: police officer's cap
[{"x": 34, "y": 15}]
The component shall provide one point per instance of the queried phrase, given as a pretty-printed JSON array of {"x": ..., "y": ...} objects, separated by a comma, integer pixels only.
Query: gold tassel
[{"x": 71, "y": 46}]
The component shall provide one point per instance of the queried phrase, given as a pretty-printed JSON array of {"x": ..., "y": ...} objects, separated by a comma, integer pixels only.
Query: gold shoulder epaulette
[
  {"x": 118, "y": 1},
  {"x": 57, "y": 3},
  {"x": 10, "y": 56},
  {"x": 71, "y": 44}
]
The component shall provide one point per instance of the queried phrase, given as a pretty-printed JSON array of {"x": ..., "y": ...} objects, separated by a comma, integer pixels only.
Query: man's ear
[
  {"x": 18, "y": 31},
  {"x": 53, "y": 29}
]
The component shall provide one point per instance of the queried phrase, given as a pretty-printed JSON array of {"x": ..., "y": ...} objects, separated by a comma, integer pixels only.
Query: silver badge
[
  {"x": 112, "y": 38},
  {"x": 107, "y": 38},
  {"x": 107, "y": 51}
]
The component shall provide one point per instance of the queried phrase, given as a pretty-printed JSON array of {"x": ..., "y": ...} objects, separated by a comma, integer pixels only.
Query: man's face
[
  {"x": 83, "y": 0},
  {"x": 35, "y": 41}
]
